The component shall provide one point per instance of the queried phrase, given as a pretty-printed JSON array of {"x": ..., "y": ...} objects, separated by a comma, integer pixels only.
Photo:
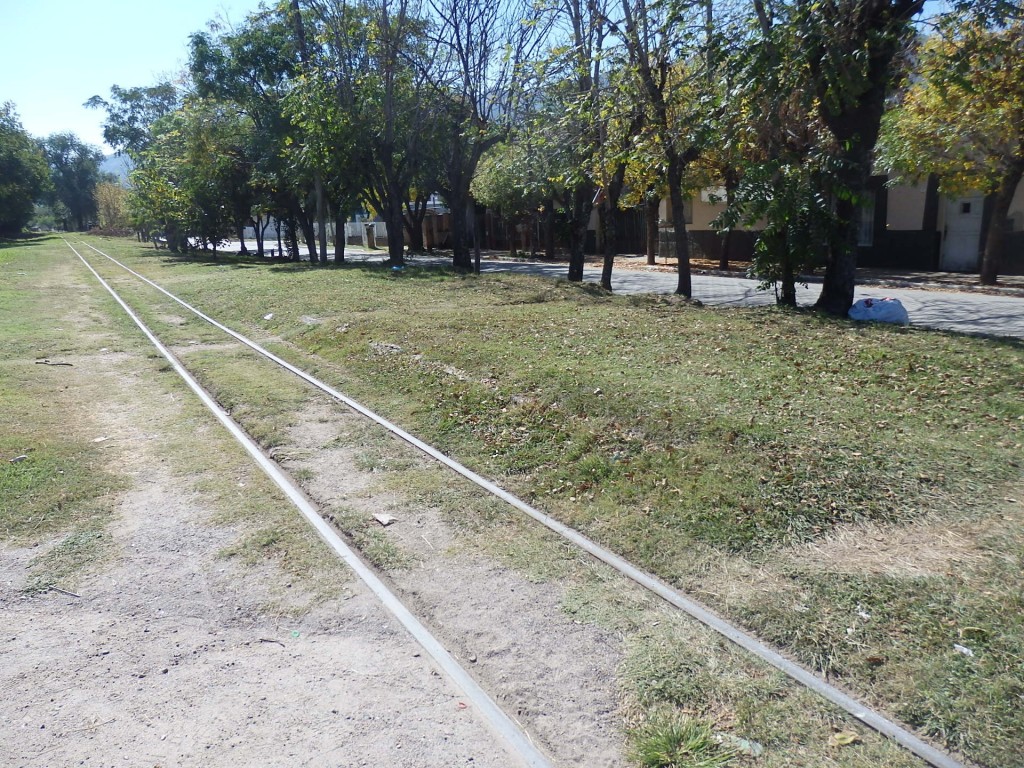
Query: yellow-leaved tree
[{"x": 962, "y": 118}]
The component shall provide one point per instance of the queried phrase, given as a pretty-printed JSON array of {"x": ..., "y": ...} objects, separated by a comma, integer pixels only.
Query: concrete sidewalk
[{"x": 1007, "y": 285}]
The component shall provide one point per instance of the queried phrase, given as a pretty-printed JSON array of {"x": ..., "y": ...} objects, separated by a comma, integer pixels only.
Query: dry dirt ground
[
  {"x": 170, "y": 653},
  {"x": 553, "y": 674}
]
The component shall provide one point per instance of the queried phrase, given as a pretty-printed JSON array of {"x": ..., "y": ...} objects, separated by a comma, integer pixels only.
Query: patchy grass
[
  {"x": 67, "y": 488},
  {"x": 54, "y": 479},
  {"x": 368, "y": 537},
  {"x": 678, "y": 742},
  {"x": 709, "y": 446},
  {"x": 73, "y": 553},
  {"x": 262, "y": 403}
]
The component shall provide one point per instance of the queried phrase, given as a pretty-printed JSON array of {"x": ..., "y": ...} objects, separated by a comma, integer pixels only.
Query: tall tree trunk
[
  {"x": 396, "y": 226},
  {"x": 414, "y": 229},
  {"x": 606, "y": 215},
  {"x": 460, "y": 211},
  {"x": 788, "y": 297},
  {"x": 549, "y": 230},
  {"x": 415, "y": 213},
  {"x": 293, "y": 239},
  {"x": 609, "y": 213},
  {"x": 651, "y": 220},
  {"x": 240, "y": 229},
  {"x": 476, "y": 242},
  {"x": 460, "y": 232},
  {"x": 998, "y": 226},
  {"x": 840, "y": 279},
  {"x": 726, "y": 245},
  {"x": 582, "y": 203},
  {"x": 340, "y": 237},
  {"x": 321, "y": 221},
  {"x": 682, "y": 242},
  {"x": 309, "y": 235}
]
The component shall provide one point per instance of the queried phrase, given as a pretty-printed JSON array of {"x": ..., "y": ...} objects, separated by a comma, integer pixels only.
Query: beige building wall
[
  {"x": 704, "y": 213},
  {"x": 905, "y": 206},
  {"x": 701, "y": 213}
]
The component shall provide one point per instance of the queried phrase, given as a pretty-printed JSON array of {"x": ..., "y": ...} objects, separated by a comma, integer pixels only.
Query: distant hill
[{"x": 119, "y": 166}]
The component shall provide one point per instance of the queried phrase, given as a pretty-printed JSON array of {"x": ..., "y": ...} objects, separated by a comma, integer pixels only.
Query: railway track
[{"x": 519, "y": 744}]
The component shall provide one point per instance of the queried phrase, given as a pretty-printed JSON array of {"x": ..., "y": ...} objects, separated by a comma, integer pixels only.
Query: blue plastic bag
[{"x": 880, "y": 311}]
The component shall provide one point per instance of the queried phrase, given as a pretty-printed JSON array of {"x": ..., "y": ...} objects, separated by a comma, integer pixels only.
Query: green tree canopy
[
  {"x": 962, "y": 118},
  {"x": 75, "y": 172},
  {"x": 131, "y": 112},
  {"x": 24, "y": 175},
  {"x": 194, "y": 177}
]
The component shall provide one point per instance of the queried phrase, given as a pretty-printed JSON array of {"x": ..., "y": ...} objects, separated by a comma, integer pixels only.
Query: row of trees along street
[{"x": 307, "y": 111}]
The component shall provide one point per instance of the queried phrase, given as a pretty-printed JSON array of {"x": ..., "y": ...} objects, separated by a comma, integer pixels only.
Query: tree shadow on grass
[{"x": 24, "y": 239}]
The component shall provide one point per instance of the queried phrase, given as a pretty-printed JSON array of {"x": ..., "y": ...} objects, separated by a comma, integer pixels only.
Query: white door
[{"x": 962, "y": 242}]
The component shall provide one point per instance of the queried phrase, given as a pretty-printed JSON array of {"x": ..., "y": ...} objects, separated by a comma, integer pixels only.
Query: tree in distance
[
  {"x": 24, "y": 175},
  {"x": 75, "y": 172}
]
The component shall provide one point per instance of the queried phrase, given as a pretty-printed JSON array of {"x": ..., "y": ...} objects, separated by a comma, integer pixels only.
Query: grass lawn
[{"x": 849, "y": 493}]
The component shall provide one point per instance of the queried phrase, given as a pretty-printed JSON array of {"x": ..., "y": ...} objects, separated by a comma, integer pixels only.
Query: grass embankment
[{"x": 849, "y": 493}]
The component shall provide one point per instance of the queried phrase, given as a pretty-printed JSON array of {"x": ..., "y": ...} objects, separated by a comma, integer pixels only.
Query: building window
[{"x": 866, "y": 223}]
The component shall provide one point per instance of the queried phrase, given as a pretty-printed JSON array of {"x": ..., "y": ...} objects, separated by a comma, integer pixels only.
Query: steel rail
[
  {"x": 516, "y": 741},
  {"x": 868, "y": 716}
]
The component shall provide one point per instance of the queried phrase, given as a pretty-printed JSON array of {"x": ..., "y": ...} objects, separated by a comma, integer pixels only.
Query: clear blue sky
[{"x": 55, "y": 54}]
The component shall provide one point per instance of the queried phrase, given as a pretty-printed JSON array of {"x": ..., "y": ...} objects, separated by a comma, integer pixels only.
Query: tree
[
  {"x": 377, "y": 60},
  {"x": 620, "y": 120},
  {"x": 804, "y": 116},
  {"x": 253, "y": 68},
  {"x": 330, "y": 145},
  {"x": 962, "y": 118},
  {"x": 131, "y": 112},
  {"x": 24, "y": 175},
  {"x": 74, "y": 170},
  {"x": 850, "y": 51},
  {"x": 112, "y": 205},
  {"x": 662, "y": 41},
  {"x": 320, "y": 253},
  {"x": 572, "y": 106},
  {"x": 511, "y": 180},
  {"x": 775, "y": 151},
  {"x": 195, "y": 175},
  {"x": 482, "y": 47},
  {"x": 159, "y": 200}
]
